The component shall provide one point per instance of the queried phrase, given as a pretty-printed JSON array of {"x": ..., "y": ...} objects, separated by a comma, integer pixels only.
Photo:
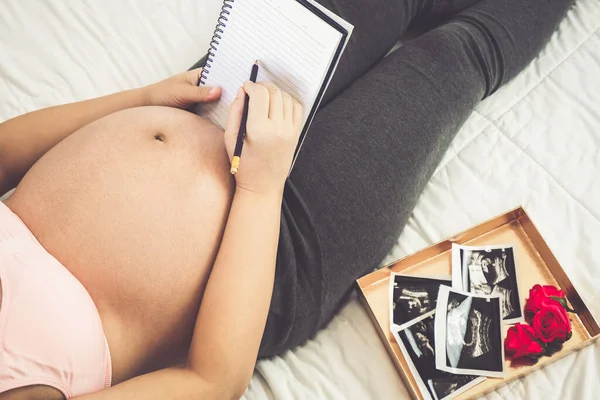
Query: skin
[{"x": 137, "y": 203}]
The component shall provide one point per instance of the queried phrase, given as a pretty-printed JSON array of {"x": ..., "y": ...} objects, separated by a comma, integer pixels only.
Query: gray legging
[{"x": 382, "y": 129}]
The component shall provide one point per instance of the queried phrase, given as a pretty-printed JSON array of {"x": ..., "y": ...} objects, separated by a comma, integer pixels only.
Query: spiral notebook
[{"x": 298, "y": 42}]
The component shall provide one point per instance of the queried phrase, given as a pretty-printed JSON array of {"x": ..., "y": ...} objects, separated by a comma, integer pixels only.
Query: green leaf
[
  {"x": 569, "y": 335},
  {"x": 552, "y": 349},
  {"x": 563, "y": 302},
  {"x": 555, "y": 345},
  {"x": 534, "y": 357}
]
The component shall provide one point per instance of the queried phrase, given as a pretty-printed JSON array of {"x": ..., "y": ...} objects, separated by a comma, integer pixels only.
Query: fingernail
[{"x": 213, "y": 91}]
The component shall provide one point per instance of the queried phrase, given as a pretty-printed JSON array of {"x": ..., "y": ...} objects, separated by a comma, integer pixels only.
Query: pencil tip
[{"x": 256, "y": 62}]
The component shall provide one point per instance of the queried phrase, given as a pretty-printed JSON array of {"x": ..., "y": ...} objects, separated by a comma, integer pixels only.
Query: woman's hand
[
  {"x": 272, "y": 132},
  {"x": 181, "y": 91}
]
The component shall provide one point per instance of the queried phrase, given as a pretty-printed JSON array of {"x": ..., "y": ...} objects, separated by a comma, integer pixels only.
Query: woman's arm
[
  {"x": 235, "y": 305},
  {"x": 236, "y": 302},
  {"x": 24, "y": 139}
]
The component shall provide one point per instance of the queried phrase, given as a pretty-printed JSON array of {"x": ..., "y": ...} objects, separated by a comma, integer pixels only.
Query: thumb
[
  {"x": 234, "y": 120},
  {"x": 201, "y": 94}
]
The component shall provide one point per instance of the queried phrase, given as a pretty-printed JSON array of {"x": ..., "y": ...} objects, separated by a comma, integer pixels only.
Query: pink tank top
[{"x": 50, "y": 329}]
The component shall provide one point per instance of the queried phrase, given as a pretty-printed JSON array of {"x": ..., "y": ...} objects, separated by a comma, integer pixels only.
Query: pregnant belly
[{"x": 134, "y": 206}]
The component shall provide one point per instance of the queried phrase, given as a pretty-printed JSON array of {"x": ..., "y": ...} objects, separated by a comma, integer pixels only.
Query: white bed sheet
[{"x": 534, "y": 143}]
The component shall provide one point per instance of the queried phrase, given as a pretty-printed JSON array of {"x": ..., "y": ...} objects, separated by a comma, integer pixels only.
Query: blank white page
[{"x": 294, "y": 47}]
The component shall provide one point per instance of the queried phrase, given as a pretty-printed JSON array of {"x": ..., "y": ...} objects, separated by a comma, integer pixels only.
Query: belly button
[{"x": 160, "y": 137}]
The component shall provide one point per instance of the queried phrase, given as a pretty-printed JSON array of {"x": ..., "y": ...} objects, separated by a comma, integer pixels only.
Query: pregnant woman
[{"x": 132, "y": 265}]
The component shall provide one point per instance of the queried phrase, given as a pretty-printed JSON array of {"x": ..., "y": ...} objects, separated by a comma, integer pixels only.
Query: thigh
[
  {"x": 362, "y": 167},
  {"x": 371, "y": 151}
]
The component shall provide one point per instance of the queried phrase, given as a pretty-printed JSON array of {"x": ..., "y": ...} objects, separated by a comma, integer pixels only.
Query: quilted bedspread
[{"x": 534, "y": 143}]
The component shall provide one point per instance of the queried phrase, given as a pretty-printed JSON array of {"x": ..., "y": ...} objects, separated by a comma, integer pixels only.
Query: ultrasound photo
[
  {"x": 412, "y": 297},
  {"x": 468, "y": 331},
  {"x": 453, "y": 385},
  {"x": 489, "y": 270},
  {"x": 417, "y": 342}
]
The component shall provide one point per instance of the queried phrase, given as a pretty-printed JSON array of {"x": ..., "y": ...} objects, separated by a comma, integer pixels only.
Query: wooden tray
[{"x": 535, "y": 264}]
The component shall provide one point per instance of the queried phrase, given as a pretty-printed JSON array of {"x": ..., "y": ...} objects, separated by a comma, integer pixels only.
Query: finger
[
  {"x": 258, "y": 107},
  {"x": 288, "y": 107},
  {"x": 298, "y": 114},
  {"x": 192, "y": 76},
  {"x": 199, "y": 94},
  {"x": 276, "y": 101},
  {"x": 234, "y": 118}
]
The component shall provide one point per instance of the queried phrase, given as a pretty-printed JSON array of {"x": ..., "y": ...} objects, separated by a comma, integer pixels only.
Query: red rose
[
  {"x": 538, "y": 293},
  {"x": 551, "y": 322},
  {"x": 520, "y": 342}
]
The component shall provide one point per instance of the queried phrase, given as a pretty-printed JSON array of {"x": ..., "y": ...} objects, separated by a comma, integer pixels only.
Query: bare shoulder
[{"x": 37, "y": 392}]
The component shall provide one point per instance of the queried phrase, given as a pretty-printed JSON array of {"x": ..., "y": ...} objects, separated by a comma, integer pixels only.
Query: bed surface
[{"x": 534, "y": 143}]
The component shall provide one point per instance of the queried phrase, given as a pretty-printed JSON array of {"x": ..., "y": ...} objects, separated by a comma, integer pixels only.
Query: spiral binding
[{"x": 221, "y": 23}]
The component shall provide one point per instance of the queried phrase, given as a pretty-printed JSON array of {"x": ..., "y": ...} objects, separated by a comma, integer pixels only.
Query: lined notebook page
[{"x": 294, "y": 47}]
